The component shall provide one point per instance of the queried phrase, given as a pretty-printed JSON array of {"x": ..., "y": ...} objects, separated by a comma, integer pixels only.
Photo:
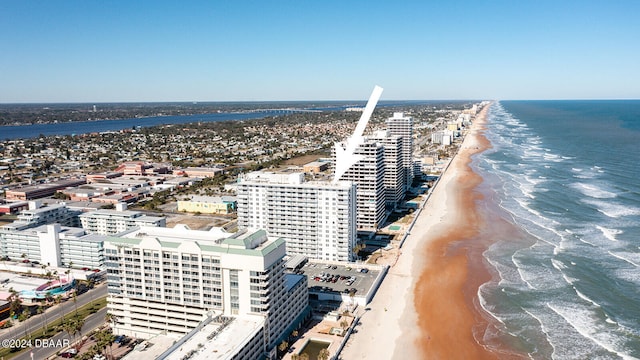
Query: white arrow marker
[{"x": 345, "y": 158}]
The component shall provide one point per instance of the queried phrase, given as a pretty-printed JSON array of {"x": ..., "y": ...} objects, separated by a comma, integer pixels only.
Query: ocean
[{"x": 567, "y": 175}]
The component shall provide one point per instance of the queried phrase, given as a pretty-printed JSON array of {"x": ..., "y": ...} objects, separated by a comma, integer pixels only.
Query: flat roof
[
  {"x": 152, "y": 348},
  {"x": 19, "y": 282},
  {"x": 246, "y": 241},
  {"x": 295, "y": 261},
  {"x": 213, "y": 341},
  {"x": 223, "y": 345},
  {"x": 362, "y": 282}
]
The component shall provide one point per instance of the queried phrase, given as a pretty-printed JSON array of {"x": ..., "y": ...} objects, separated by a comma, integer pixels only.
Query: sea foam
[{"x": 593, "y": 191}]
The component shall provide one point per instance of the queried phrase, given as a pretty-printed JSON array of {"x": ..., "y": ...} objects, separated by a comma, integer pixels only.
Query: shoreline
[
  {"x": 462, "y": 224},
  {"x": 445, "y": 293},
  {"x": 427, "y": 306}
]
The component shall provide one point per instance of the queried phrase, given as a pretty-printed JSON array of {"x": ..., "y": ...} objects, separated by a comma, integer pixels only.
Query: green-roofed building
[{"x": 168, "y": 280}]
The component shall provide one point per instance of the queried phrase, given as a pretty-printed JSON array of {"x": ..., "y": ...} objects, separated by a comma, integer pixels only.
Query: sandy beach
[
  {"x": 425, "y": 306},
  {"x": 452, "y": 266}
]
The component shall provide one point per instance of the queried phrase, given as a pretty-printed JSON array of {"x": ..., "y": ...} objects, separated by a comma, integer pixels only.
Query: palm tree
[
  {"x": 69, "y": 327},
  {"x": 78, "y": 323},
  {"x": 283, "y": 346},
  {"x": 352, "y": 295},
  {"x": 42, "y": 310},
  {"x": 356, "y": 249},
  {"x": 113, "y": 319},
  {"x": 49, "y": 297},
  {"x": 104, "y": 339},
  {"x": 75, "y": 301},
  {"x": 24, "y": 315},
  {"x": 323, "y": 354},
  {"x": 16, "y": 302},
  {"x": 58, "y": 300}
]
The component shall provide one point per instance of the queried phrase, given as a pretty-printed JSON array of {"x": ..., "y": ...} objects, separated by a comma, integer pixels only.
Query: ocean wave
[
  {"x": 585, "y": 297},
  {"x": 559, "y": 265},
  {"x": 609, "y": 233},
  {"x": 545, "y": 330},
  {"x": 623, "y": 258},
  {"x": 582, "y": 321},
  {"x": 583, "y": 219},
  {"x": 484, "y": 304},
  {"x": 611, "y": 209},
  {"x": 593, "y": 190},
  {"x": 630, "y": 275},
  {"x": 581, "y": 239},
  {"x": 553, "y": 157},
  {"x": 507, "y": 275}
]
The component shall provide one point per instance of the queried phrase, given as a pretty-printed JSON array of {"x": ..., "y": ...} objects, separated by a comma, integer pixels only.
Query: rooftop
[
  {"x": 246, "y": 241},
  {"x": 215, "y": 340}
]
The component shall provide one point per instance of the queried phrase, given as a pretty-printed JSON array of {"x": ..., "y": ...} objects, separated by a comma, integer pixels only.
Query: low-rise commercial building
[
  {"x": 42, "y": 190},
  {"x": 199, "y": 171},
  {"x": 208, "y": 204}
]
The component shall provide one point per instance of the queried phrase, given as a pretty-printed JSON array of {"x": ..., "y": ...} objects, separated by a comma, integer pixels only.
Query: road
[
  {"x": 62, "y": 340},
  {"x": 55, "y": 312}
]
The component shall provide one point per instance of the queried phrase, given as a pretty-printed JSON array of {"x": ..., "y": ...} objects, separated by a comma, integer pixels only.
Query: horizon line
[{"x": 299, "y": 101}]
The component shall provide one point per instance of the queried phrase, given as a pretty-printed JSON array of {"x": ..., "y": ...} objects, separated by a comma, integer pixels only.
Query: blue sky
[{"x": 104, "y": 51}]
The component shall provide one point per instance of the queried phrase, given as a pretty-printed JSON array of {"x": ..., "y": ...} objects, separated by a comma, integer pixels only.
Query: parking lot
[{"x": 340, "y": 278}]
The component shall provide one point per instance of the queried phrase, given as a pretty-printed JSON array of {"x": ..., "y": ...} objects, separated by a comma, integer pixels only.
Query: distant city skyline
[{"x": 161, "y": 51}]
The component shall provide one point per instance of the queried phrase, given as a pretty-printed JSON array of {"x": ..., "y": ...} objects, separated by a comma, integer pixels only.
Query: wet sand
[
  {"x": 427, "y": 306},
  {"x": 450, "y": 319},
  {"x": 453, "y": 270}
]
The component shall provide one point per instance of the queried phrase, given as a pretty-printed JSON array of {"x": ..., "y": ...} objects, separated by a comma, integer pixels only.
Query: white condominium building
[
  {"x": 53, "y": 245},
  {"x": 168, "y": 280},
  {"x": 400, "y": 125},
  {"x": 48, "y": 214},
  {"x": 368, "y": 174},
  {"x": 110, "y": 222},
  {"x": 316, "y": 218},
  {"x": 394, "y": 172}
]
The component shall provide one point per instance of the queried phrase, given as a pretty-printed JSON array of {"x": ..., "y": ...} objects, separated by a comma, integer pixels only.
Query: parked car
[
  {"x": 119, "y": 339},
  {"x": 69, "y": 353}
]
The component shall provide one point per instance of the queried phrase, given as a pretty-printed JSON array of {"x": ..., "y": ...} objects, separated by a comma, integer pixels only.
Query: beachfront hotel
[
  {"x": 368, "y": 174},
  {"x": 400, "y": 125},
  {"x": 164, "y": 281},
  {"x": 316, "y": 218}
]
